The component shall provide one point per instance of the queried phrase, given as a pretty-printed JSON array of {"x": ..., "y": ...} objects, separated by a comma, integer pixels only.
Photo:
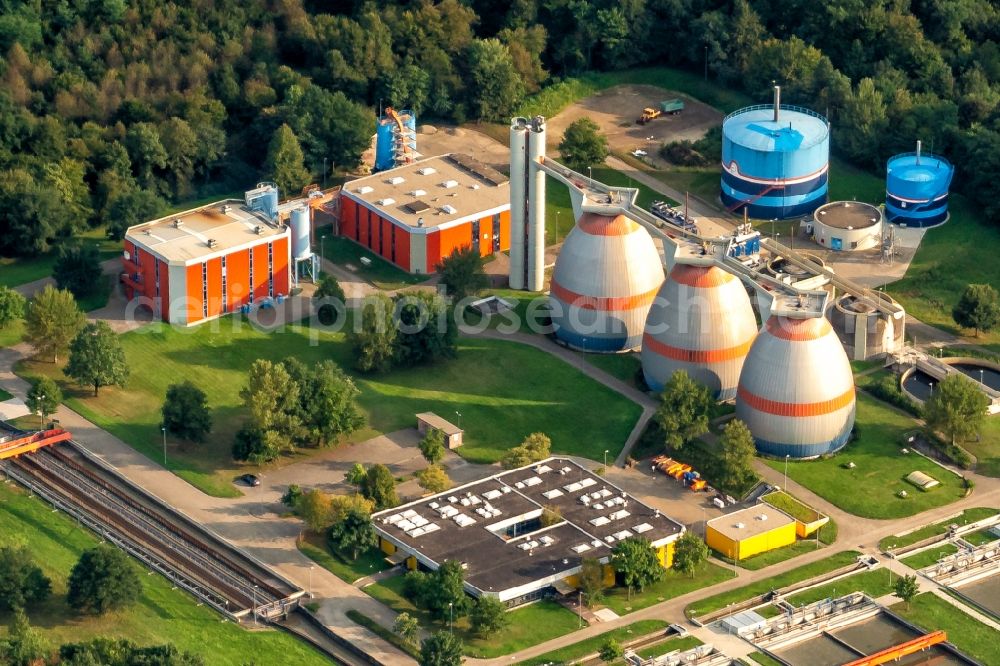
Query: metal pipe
[
  {"x": 536, "y": 206},
  {"x": 777, "y": 102},
  {"x": 918, "y": 150},
  {"x": 518, "y": 200}
]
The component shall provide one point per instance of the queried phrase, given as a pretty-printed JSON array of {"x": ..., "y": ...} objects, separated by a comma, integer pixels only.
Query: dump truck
[
  {"x": 672, "y": 106},
  {"x": 649, "y": 113}
]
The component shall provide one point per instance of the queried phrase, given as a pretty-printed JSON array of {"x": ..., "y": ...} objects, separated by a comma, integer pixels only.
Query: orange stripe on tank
[
  {"x": 606, "y": 225},
  {"x": 602, "y": 303},
  {"x": 695, "y": 355},
  {"x": 795, "y": 409},
  {"x": 700, "y": 277},
  {"x": 798, "y": 330}
]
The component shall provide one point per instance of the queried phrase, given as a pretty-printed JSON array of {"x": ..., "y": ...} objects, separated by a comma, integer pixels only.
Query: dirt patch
[
  {"x": 441, "y": 140},
  {"x": 616, "y": 109}
]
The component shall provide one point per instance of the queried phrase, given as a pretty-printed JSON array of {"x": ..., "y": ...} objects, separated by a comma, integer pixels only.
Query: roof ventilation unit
[
  {"x": 258, "y": 229},
  {"x": 448, "y": 208},
  {"x": 225, "y": 208},
  {"x": 449, "y": 183},
  {"x": 364, "y": 189},
  {"x": 417, "y": 193},
  {"x": 388, "y": 201},
  {"x": 426, "y": 171},
  {"x": 212, "y": 242},
  {"x": 178, "y": 223},
  {"x": 396, "y": 180}
]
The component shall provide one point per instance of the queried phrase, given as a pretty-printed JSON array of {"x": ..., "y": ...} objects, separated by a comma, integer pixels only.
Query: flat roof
[
  {"x": 437, "y": 190},
  {"x": 229, "y": 223},
  {"x": 746, "y": 523},
  {"x": 477, "y": 523},
  {"x": 848, "y": 215},
  {"x": 435, "y": 421}
]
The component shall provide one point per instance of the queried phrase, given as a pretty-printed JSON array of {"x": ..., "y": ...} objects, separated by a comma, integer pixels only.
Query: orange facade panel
[
  {"x": 455, "y": 238},
  {"x": 214, "y": 284},
  {"x": 402, "y": 247},
  {"x": 348, "y": 217},
  {"x": 486, "y": 236},
  {"x": 260, "y": 271},
  {"x": 505, "y": 230},
  {"x": 194, "y": 303},
  {"x": 164, "y": 290},
  {"x": 237, "y": 279},
  {"x": 279, "y": 266},
  {"x": 386, "y": 239}
]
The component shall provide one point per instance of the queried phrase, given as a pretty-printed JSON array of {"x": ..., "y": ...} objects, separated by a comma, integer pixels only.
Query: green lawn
[
  {"x": 594, "y": 643},
  {"x": 4, "y": 395},
  {"x": 669, "y": 645},
  {"x": 967, "y": 516},
  {"x": 870, "y": 489},
  {"x": 384, "y": 275},
  {"x": 763, "y": 659},
  {"x": 529, "y": 625},
  {"x": 12, "y": 334},
  {"x": 16, "y": 271},
  {"x": 386, "y": 634},
  {"x": 929, "y": 556},
  {"x": 967, "y": 634},
  {"x": 674, "y": 584},
  {"x": 796, "y": 509},
  {"x": 622, "y": 366},
  {"x": 499, "y": 407},
  {"x": 702, "y": 183},
  {"x": 987, "y": 447},
  {"x": 162, "y": 615},
  {"x": 981, "y": 538},
  {"x": 783, "y": 554},
  {"x": 314, "y": 547},
  {"x": 785, "y": 579},
  {"x": 874, "y": 583}
]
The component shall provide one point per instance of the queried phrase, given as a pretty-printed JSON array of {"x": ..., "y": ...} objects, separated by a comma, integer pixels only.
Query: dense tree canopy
[
  {"x": 96, "y": 357},
  {"x": 103, "y": 579}
]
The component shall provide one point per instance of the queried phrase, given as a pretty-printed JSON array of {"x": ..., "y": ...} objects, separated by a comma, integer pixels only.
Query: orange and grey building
[
  {"x": 415, "y": 215},
  {"x": 207, "y": 262}
]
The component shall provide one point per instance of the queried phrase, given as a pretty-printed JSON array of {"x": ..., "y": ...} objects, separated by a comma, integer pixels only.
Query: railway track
[{"x": 166, "y": 541}]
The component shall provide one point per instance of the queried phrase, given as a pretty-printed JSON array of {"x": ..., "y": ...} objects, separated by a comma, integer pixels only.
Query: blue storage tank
[
  {"x": 916, "y": 189},
  {"x": 390, "y": 141},
  {"x": 775, "y": 160}
]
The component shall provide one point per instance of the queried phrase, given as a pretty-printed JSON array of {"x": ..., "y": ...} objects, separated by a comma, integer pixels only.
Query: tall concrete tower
[{"x": 527, "y": 204}]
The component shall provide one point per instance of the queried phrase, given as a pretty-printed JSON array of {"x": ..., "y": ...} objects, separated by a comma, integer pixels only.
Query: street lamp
[
  {"x": 311, "y": 595},
  {"x": 786, "y": 472},
  {"x": 590, "y": 172},
  {"x": 163, "y": 429},
  {"x": 980, "y": 377},
  {"x": 605, "y": 460},
  {"x": 41, "y": 406},
  {"x": 773, "y": 221},
  {"x": 255, "y": 605},
  {"x": 459, "y": 419},
  {"x": 451, "y": 617},
  {"x": 931, "y": 384},
  {"x": 557, "y": 226}
]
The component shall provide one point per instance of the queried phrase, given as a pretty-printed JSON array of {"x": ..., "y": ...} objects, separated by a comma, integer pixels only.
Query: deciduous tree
[
  {"x": 284, "y": 162},
  {"x": 583, "y": 145},
  {"x": 374, "y": 341},
  {"x": 683, "y": 411},
  {"x": 406, "y": 627},
  {"x": 737, "y": 457},
  {"x": 432, "y": 446},
  {"x": 380, "y": 487},
  {"x": 462, "y": 274},
  {"x": 314, "y": 508},
  {"x": 978, "y": 308},
  {"x": 536, "y": 446},
  {"x": 23, "y": 646},
  {"x": 427, "y": 330},
  {"x": 353, "y": 533},
  {"x": 44, "y": 397},
  {"x": 611, "y": 650},
  {"x": 77, "y": 268},
  {"x": 327, "y": 406},
  {"x": 487, "y": 616},
  {"x": 433, "y": 479},
  {"x": 690, "y": 552},
  {"x": 591, "y": 580},
  {"x": 356, "y": 475},
  {"x": 906, "y": 587},
  {"x": 186, "y": 413},
  {"x": 22, "y": 582},
  {"x": 130, "y": 207},
  {"x": 956, "y": 407},
  {"x": 103, "y": 579},
  {"x": 52, "y": 321},
  {"x": 441, "y": 649},
  {"x": 497, "y": 88},
  {"x": 635, "y": 561},
  {"x": 12, "y": 306},
  {"x": 96, "y": 357}
]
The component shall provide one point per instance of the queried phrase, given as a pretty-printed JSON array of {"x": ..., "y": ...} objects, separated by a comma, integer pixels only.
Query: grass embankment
[
  {"x": 622, "y": 366},
  {"x": 967, "y": 634},
  {"x": 763, "y": 659},
  {"x": 674, "y": 584},
  {"x": 776, "y": 556},
  {"x": 16, "y": 271},
  {"x": 4, "y": 395},
  {"x": 874, "y": 583},
  {"x": 12, "y": 334},
  {"x": 593, "y": 644},
  {"x": 805, "y": 572},
  {"x": 966, "y": 517},
  {"x": 162, "y": 615},
  {"x": 870, "y": 489},
  {"x": 669, "y": 645},
  {"x": 314, "y": 546},
  {"x": 387, "y": 635},
  {"x": 498, "y": 408},
  {"x": 529, "y": 625},
  {"x": 929, "y": 556}
]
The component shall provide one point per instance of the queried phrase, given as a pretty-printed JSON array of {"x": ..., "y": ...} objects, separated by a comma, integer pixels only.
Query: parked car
[
  {"x": 639, "y": 152},
  {"x": 251, "y": 480}
]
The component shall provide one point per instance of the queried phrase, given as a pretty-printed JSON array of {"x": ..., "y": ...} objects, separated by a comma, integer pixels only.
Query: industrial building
[
  {"x": 916, "y": 189},
  {"x": 605, "y": 279},
  {"x": 775, "y": 160},
  {"x": 848, "y": 226},
  {"x": 416, "y": 214},
  {"x": 751, "y": 531},
  {"x": 495, "y": 528},
  {"x": 701, "y": 322},
  {"x": 206, "y": 262},
  {"x": 796, "y": 390}
]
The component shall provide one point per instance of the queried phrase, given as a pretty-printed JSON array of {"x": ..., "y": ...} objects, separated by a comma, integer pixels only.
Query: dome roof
[
  {"x": 701, "y": 322},
  {"x": 796, "y": 389},
  {"x": 605, "y": 278}
]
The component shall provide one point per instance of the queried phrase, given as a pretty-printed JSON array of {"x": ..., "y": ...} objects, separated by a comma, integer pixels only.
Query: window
[
  {"x": 475, "y": 235},
  {"x": 270, "y": 270},
  {"x": 204, "y": 290},
  {"x": 496, "y": 233},
  {"x": 225, "y": 296},
  {"x": 156, "y": 276},
  {"x": 250, "y": 252},
  {"x": 392, "y": 243},
  {"x": 357, "y": 222}
]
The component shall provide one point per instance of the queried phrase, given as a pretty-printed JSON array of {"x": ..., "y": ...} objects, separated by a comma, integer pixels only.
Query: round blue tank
[
  {"x": 775, "y": 168},
  {"x": 389, "y": 141},
  {"x": 916, "y": 189}
]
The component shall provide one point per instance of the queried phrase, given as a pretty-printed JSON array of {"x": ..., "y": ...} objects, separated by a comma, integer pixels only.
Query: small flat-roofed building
[
  {"x": 494, "y": 528},
  {"x": 416, "y": 214},
  {"x": 431, "y": 421},
  {"x": 751, "y": 531}
]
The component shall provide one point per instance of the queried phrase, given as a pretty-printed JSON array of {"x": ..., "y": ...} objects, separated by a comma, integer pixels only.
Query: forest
[{"x": 110, "y": 109}]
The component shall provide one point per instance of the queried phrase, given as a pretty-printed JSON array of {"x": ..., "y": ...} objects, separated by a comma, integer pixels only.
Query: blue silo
[
  {"x": 775, "y": 160},
  {"x": 916, "y": 189},
  {"x": 395, "y": 139}
]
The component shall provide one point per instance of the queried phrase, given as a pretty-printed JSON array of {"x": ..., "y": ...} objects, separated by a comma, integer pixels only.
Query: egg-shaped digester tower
[
  {"x": 916, "y": 189},
  {"x": 796, "y": 391},
  {"x": 775, "y": 161},
  {"x": 605, "y": 279},
  {"x": 701, "y": 322}
]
